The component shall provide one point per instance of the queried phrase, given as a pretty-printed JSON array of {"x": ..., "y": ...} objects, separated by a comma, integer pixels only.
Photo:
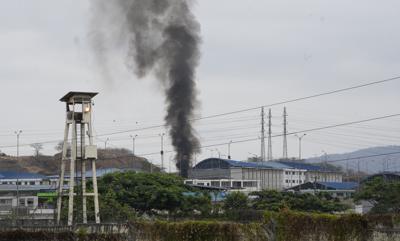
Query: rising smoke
[{"x": 162, "y": 38}]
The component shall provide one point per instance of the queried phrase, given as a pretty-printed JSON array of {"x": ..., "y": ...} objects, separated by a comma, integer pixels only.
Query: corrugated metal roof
[
  {"x": 305, "y": 166},
  {"x": 27, "y": 187},
  {"x": 20, "y": 175},
  {"x": 215, "y": 162},
  {"x": 99, "y": 172},
  {"x": 340, "y": 185}
]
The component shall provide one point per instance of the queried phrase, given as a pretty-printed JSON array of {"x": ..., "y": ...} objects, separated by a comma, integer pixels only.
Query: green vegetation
[
  {"x": 125, "y": 193},
  {"x": 299, "y": 226},
  {"x": 385, "y": 195},
  {"x": 199, "y": 231},
  {"x": 236, "y": 201},
  {"x": 275, "y": 201}
]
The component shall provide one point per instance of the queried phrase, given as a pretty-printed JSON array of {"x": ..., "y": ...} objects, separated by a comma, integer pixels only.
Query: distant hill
[
  {"x": 367, "y": 164},
  {"x": 49, "y": 165}
]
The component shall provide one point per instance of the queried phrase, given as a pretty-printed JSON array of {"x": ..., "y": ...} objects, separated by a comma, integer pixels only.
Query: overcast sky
[{"x": 253, "y": 53}]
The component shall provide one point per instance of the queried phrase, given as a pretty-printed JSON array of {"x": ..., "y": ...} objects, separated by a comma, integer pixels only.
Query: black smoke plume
[{"x": 163, "y": 38}]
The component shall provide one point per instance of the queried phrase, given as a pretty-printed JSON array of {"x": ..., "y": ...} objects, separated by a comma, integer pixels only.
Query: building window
[
  {"x": 5, "y": 202},
  {"x": 250, "y": 184},
  {"x": 287, "y": 181},
  {"x": 293, "y": 181},
  {"x": 22, "y": 202},
  {"x": 215, "y": 183},
  {"x": 293, "y": 173},
  {"x": 30, "y": 202},
  {"x": 236, "y": 184},
  {"x": 226, "y": 184},
  {"x": 31, "y": 183}
]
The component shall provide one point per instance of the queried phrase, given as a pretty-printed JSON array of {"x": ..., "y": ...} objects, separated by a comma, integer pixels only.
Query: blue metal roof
[
  {"x": 340, "y": 185},
  {"x": 99, "y": 172},
  {"x": 305, "y": 166},
  {"x": 20, "y": 175},
  {"x": 225, "y": 163}
]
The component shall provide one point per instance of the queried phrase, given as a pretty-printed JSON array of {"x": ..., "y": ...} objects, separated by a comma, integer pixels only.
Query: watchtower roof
[{"x": 69, "y": 95}]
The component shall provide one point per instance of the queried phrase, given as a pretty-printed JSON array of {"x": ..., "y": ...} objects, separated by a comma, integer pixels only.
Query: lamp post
[
  {"x": 18, "y": 133},
  {"x": 229, "y": 150},
  {"x": 219, "y": 153},
  {"x": 105, "y": 143},
  {"x": 162, "y": 150},
  {"x": 300, "y": 138},
  {"x": 133, "y": 149}
]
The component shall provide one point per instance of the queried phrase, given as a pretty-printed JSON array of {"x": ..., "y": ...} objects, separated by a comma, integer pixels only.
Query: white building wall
[
  {"x": 293, "y": 177},
  {"x": 313, "y": 176}
]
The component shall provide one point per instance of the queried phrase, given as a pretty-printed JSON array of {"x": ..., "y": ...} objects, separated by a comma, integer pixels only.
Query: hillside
[
  {"x": 49, "y": 165},
  {"x": 378, "y": 163}
]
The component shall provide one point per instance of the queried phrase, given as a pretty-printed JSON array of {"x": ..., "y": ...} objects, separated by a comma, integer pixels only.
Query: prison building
[
  {"x": 315, "y": 173},
  {"x": 270, "y": 175}
]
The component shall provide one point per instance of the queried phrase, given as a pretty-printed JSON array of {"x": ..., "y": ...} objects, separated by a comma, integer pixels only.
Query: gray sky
[{"x": 253, "y": 53}]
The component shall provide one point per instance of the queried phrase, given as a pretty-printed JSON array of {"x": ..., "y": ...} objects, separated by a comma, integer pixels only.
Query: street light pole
[
  {"x": 162, "y": 150},
  {"x": 18, "y": 133},
  {"x": 133, "y": 149},
  {"x": 229, "y": 150},
  {"x": 219, "y": 153},
  {"x": 300, "y": 138},
  {"x": 105, "y": 143}
]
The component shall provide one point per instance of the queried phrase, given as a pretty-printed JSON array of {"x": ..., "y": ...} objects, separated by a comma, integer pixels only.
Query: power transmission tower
[
  {"x": 285, "y": 155},
  {"x": 262, "y": 156},
  {"x": 269, "y": 157}
]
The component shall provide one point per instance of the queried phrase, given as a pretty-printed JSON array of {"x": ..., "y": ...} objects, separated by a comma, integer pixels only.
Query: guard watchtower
[{"x": 78, "y": 127}]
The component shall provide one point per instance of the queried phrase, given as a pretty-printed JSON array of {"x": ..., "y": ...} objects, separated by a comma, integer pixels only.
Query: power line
[
  {"x": 304, "y": 98},
  {"x": 239, "y": 111},
  {"x": 366, "y": 156},
  {"x": 268, "y": 105},
  {"x": 313, "y": 129}
]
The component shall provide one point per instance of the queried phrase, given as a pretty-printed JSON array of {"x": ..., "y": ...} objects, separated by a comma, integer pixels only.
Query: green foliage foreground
[
  {"x": 299, "y": 226},
  {"x": 279, "y": 226}
]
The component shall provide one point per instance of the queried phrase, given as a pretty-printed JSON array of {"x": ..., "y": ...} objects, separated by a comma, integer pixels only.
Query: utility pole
[
  {"x": 18, "y": 133},
  {"x": 105, "y": 143},
  {"x": 262, "y": 155},
  {"x": 269, "y": 136},
  {"x": 285, "y": 152},
  {"x": 229, "y": 150},
  {"x": 358, "y": 171},
  {"x": 300, "y": 138},
  {"x": 162, "y": 150},
  {"x": 133, "y": 149},
  {"x": 219, "y": 153},
  {"x": 325, "y": 162}
]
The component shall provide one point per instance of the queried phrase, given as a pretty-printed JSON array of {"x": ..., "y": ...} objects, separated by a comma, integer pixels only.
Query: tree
[
  {"x": 153, "y": 192},
  {"x": 275, "y": 201},
  {"x": 60, "y": 145},
  {"x": 385, "y": 195},
  {"x": 236, "y": 201},
  {"x": 37, "y": 147}
]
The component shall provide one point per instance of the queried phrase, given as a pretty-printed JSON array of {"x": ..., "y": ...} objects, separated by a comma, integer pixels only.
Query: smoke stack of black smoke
[{"x": 163, "y": 38}]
